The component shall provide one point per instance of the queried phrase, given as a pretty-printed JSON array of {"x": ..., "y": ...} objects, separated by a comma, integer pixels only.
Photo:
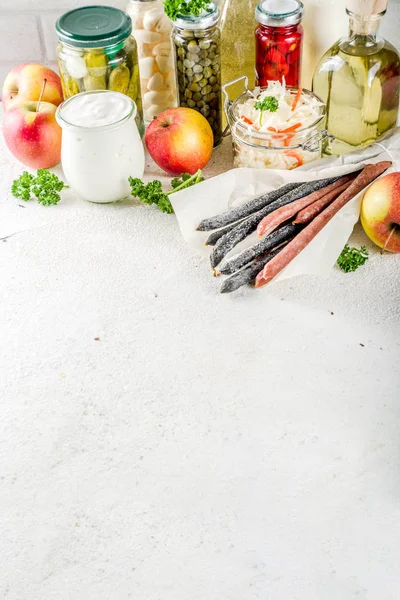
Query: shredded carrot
[
  {"x": 291, "y": 128},
  {"x": 295, "y": 155},
  {"x": 246, "y": 120},
  {"x": 288, "y": 140},
  {"x": 297, "y": 98},
  {"x": 272, "y": 129}
]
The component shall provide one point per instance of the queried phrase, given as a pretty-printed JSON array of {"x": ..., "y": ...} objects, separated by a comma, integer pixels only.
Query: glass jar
[
  {"x": 97, "y": 52},
  {"x": 265, "y": 150},
  {"x": 101, "y": 145},
  {"x": 237, "y": 48},
  {"x": 279, "y": 39},
  {"x": 197, "y": 43},
  {"x": 152, "y": 32}
]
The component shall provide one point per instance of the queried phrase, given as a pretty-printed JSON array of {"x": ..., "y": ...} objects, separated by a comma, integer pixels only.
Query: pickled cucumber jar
[
  {"x": 152, "y": 32},
  {"x": 97, "y": 52},
  {"x": 197, "y": 46}
]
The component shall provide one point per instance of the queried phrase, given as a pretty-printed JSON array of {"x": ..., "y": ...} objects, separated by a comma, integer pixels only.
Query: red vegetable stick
[
  {"x": 297, "y": 98},
  {"x": 306, "y": 235},
  {"x": 308, "y": 213},
  {"x": 246, "y": 120},
  {"x": 276, "y": 218},
  {"x": 291, "y": 128}
]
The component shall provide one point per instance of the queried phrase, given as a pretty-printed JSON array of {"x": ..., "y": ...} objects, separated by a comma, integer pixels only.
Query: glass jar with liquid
[{"x": 359, "y": 79}]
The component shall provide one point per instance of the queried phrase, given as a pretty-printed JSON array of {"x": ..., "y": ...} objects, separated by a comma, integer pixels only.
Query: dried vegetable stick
[
  {"x": 218, "y": 233},
  {"x": 246, "y": 209},
  {"x": 265, "y": 245},
  {"x": 248, "y": 274},
  {"x": 227, "y": 242},
  {"x": 279, "y": 216},
  {"x": 309, "y": 212},
  {"x": 301, "y": 241}
]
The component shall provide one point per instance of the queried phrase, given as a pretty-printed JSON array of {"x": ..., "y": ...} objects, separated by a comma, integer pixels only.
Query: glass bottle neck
[{"x": 364, "y": 26}]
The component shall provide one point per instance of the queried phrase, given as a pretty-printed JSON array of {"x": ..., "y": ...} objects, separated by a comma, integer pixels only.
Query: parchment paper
[{"x": 221, "y": 193}]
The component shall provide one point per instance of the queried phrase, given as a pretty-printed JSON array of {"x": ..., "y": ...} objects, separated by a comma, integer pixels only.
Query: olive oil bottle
[
  {"x": 359, "y": 80},
  {"x": 238, "y": 47}
]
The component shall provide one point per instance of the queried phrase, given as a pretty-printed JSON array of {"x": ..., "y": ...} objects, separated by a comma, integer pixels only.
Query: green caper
[
  {"x": 206, "y": 90},
  {"x": 189, "y": 73},
  {"x": 200, "y": 103},
  {"x": 184, "y": 104},
  {"x": 203, "y": 82},
  {"x": 216, "y": 88},
  {"x": 197, "y": 69},
  {"x": 205, "y": 111},
  {"x": 194, "y": 87},
  {"x": 200, "y": 34},
  {"x": 188, "y": 93},
  {"x": 197, "y": 77},
  {"x": 191, "y": 103},
  {"x": 197, "y": 97},
  {"x": 193, "y": 57},
  {"x": 204, "y": 44},
  {"x": 193, "y": 47},
  {"x": 189, "y": 64},
  {"x": 179, "y": 65},
  {"x": 181, "y": 52},
  {"x": 205, "y": 62},
  {"x": 207, "y": 72},
  {"x": 212, "y": 80}
]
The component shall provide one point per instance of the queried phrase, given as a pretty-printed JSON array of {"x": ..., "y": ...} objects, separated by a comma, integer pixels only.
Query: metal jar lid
[
  {"x": 208, "y": 18},
  {"x": 279, "y": 13},
  {"x": 94, "y": 27}
]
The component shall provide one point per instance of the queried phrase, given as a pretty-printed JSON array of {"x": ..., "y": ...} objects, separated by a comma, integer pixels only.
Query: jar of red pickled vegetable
[{"x": 279, "y": 38}]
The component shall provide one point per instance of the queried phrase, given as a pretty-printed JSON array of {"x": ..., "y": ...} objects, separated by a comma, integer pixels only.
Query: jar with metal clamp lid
[{"x": 285, "y": 147}]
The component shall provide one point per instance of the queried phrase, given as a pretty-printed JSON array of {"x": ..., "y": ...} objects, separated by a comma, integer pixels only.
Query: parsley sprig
[
  {"x": 352, "y": 258},
  {"x": 187, "y": 8},
  {"x": 269, "y": 103},
  {"x": 45, "y": 187},
  {"x": 152, "y": 192}
]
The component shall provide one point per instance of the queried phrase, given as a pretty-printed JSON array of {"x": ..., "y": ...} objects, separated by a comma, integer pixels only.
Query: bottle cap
[
  {"x": 367, "y": 8},
  {"x": 279, "y": 13},
  {"x": 94, "y": 27}
]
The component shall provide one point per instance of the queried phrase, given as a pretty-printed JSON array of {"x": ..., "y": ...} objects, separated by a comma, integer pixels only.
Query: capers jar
[
  {"x": 152, "y": 32},
  {"x": 197, "y": 43},
  {"x": 97, "y": 52}
]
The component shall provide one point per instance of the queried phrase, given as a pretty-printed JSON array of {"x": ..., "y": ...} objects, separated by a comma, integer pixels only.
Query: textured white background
[{"x": 206, "y": 447}]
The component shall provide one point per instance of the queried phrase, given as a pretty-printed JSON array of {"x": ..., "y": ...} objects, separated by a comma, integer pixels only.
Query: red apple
[
  {"x": 25, "y": 82},
  {"x": 180, "y": 140},
  {"x": 34, "y": 137},
  {"x": 380, "y": 212}
]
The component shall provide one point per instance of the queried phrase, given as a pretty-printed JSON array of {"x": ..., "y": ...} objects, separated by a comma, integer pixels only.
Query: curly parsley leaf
[
  {"x": 21, "y": 187},
  {"x": 45, "y": 187},
  {"x": 152, "y": 192},
  {"x": 174, "y": 8},
  {"x": 352, "y": 258},
  {"x": 269, "y": 103}
]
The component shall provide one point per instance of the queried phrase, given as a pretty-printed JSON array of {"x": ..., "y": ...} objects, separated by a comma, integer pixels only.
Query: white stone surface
[{"x": 204, "y": 447}]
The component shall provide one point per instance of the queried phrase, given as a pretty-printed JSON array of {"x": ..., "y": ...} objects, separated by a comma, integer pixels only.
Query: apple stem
[
  {"x": 388, "y": 240},
  {"x": 41, "y": 94}
]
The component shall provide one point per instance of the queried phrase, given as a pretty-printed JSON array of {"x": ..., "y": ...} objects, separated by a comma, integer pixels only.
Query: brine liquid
[
  {"x": 238, "y": 49},
  {"x": 361, "y": 90}
]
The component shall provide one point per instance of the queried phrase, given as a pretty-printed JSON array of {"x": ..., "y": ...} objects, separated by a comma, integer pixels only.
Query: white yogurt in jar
[{"x": 101, "y": 145}]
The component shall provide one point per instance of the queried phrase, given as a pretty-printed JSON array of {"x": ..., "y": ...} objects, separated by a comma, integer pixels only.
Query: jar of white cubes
[{"x": 152, "y": 32}]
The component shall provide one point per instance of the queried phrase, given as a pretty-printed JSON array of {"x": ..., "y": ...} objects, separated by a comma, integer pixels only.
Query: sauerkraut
[{"x": 272, "y": 127}]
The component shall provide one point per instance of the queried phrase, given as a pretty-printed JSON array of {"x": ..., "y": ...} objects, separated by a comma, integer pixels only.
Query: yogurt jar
[{"x": 101, "y": 145}]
